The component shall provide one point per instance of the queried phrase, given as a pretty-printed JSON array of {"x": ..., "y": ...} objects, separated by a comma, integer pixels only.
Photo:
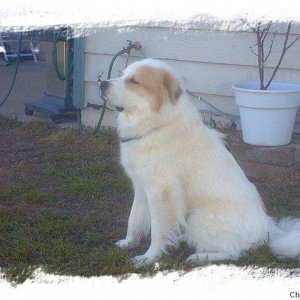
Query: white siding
[{"x": 210, "y": 62}]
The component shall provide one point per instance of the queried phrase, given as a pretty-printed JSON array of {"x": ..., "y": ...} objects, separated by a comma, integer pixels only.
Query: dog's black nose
[
  {"x": 103, "y": 88},
  {"x": 104, "y": 85}
]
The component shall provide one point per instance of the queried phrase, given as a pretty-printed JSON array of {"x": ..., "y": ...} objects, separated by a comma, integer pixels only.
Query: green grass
[
  {"x": 38, "y": 197},
  {"x": 8, "y": 123},
  {"x": 65, "y": 200},
  {"x": 16, "y": 190},
  {"x": 38, "y": 126}
]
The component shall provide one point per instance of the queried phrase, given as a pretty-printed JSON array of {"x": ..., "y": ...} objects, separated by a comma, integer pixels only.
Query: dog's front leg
[
  {"x": 139, "y": 220},
  {"x": 163, "y": 218}
]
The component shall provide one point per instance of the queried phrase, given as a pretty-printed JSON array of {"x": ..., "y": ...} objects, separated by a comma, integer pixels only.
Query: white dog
[{"x": 187, "y": 185}]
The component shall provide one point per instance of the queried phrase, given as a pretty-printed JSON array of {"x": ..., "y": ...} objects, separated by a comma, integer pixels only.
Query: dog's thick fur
[{"x": 187, "y": 186}]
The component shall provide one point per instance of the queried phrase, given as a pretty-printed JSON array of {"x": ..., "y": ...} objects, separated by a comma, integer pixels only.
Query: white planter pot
[{"x": 267, "y": 116}]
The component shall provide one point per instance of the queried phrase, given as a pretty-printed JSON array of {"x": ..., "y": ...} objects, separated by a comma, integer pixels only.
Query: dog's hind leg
[
  {"x": 203, "y": 257},
  {"x": 139, "y": 220}
]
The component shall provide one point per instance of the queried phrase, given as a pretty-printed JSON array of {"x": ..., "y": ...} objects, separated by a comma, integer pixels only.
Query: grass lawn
[{"x": 65, "y": 201}]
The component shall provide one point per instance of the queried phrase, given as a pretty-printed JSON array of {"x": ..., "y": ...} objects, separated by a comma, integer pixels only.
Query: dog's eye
[{"x": 133, "y": 80}]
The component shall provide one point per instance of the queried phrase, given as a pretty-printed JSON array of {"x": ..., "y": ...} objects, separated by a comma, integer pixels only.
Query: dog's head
[{"x": 145, "y": 86}]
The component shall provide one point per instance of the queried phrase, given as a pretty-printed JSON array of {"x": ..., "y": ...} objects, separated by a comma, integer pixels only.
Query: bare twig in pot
[{"x": 261, "y": 31}]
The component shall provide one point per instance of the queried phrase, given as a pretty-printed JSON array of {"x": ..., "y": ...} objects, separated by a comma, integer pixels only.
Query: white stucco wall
[{"x": 210, "y": 60}]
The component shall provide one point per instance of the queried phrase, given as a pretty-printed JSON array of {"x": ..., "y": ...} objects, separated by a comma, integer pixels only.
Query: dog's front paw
[
  {"x": 125, "y": 244},
  {"x": 197, "y": 259},
  {"x": 142, "y": 260}
]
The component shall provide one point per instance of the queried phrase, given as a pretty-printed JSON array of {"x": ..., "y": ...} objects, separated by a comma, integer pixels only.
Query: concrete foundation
[{"x": 267, "y": 162}]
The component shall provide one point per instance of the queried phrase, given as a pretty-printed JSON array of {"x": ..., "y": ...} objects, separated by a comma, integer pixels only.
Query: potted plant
[{"x": 268, "y": 109}]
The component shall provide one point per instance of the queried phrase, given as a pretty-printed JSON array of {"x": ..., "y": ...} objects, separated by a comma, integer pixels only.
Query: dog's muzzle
[
  {"x": 104, "y": 88},
  {"x": 104, "y": 85}
]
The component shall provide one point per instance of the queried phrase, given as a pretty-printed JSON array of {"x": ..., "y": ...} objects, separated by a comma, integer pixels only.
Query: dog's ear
[{"x": 172, "y": 86}]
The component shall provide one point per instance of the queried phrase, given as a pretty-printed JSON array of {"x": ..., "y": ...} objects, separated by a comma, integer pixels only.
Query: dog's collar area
[
  {"x": 137, "y": 137},
  {"x": 134, "y": 138}
]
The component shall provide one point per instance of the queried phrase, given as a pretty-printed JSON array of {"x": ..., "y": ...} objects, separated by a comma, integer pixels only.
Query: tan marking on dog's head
[{"x": 153, "y": 84}]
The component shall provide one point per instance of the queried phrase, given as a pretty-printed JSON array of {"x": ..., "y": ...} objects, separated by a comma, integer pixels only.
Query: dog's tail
[{"x": 285, "y": 238}]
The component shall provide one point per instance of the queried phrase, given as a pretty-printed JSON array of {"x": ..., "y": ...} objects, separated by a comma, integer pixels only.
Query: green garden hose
[
  {"x": 60, "y": 75},
  {"x": 68, "y": 70},
  {"x": 15, "y": 73},
  {"x": 127, "y": 50}
]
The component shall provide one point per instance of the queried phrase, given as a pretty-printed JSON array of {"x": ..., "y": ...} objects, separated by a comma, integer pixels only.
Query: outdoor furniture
[{"x": 9, "y": 46}]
